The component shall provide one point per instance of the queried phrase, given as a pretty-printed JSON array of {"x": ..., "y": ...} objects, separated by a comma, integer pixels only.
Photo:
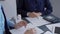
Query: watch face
[{"x": 57, "y": 30}]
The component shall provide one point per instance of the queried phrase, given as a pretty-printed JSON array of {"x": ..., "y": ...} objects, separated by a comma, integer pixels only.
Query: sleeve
[
  {"x": 48, "y": 7},
  {"x": 19, "y": 6},
  {"x": 1, "y": 22},
  {"x": 10, "y": 23}
]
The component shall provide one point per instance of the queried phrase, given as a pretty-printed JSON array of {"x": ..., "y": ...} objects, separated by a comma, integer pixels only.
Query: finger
[
  {"x": 33, "y": 30},
  {"x": 16, "y": 27},
  {"x": 19, "y": 25},
  {"x": 32, "y": 15},
  {"x": 24, "y": 23}
]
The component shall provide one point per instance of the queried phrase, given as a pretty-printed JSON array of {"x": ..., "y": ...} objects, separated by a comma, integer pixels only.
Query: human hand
[
  {"x": 34, "y": 14},
  {"x": 20, "y": 24},
  {"x": 31, "y": 31},
  {"x": 37, "y": 14}
]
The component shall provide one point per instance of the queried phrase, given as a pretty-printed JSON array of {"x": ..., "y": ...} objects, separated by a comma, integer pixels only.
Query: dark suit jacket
[{"x": 25, "y": 6}]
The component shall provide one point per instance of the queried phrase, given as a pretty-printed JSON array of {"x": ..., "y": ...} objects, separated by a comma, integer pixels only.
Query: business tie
[{"x": 6, "y": 26}]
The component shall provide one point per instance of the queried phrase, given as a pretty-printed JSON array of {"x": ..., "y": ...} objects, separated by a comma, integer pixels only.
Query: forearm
[{"x": 24, "y": 13}]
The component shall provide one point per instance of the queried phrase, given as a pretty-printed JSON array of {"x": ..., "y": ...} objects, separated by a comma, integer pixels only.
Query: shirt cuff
[{"x": 28, "y": 13}]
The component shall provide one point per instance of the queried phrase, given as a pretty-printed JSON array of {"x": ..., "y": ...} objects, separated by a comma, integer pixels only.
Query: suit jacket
[{"x": 25, "y": 6}]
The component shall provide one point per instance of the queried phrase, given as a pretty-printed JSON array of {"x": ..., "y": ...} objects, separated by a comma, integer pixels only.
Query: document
[
  {"x": 34, "y": 22},
  {"x": 23, "y": 29},
  {"x": 38, "y": 30},
  {"x": 18, "y": 31},
  {"x": 47, "y": 32},
  {"x": 38, "y": 21}
]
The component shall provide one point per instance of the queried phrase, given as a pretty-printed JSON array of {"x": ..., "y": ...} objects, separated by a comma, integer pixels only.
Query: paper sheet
[
  {"x": 39, "y": 21},
  {"x": 47, "y": 32},
  {"x": 23, "y": 29},
  {"x": 18, "y": 31},
  {"x": 38, "y": 30},
  {"x": 34, "y": 23}
]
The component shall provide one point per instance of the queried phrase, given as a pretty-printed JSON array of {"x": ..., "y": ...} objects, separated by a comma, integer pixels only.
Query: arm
[
  {"x": 17, "y": 25},
  {"x": 48, "y": 7},
  {"x": 1, "y": 22},
  {"x": 21, "y": 8},
  {"x": 10, "y": 23}
]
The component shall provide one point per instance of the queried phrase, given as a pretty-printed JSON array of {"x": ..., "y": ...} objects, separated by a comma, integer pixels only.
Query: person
[
  {"x": 13, "y": 25},
  {"x": 31, "y": 7},
  {"x": 4, "y": 23}
]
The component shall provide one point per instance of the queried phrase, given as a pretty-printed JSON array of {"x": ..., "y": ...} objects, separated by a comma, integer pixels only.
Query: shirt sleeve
[
  {"x": 48, "y": 7},
  {"x": 19, "y": 5},
  {"x": 1, "y": 22},
  {"x": 10, "y": 23}
]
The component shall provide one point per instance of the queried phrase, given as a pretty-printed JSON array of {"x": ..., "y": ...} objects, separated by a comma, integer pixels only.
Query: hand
[
  {"x": 33, "y": 14},
  {"x": 31, "y": 31},
  {"x": 37, "y": 14},
  {"x": 20, "y": 24}
]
